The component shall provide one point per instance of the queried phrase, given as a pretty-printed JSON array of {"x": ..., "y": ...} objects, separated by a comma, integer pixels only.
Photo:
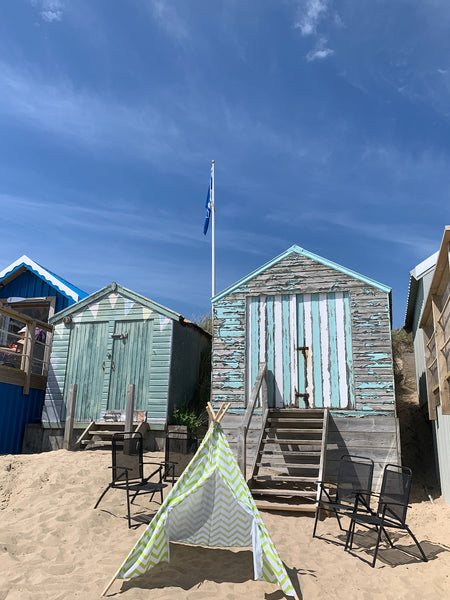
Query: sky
[{"x": 329, "y": 124}]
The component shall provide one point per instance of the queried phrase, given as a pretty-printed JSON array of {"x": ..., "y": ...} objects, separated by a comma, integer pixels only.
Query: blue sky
[{"x": 329, "y": 123}]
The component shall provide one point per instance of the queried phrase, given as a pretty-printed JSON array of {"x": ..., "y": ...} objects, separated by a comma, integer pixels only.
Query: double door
[
  {"x": 103, "y": 359},
  {"x": 305, "y": 340}
]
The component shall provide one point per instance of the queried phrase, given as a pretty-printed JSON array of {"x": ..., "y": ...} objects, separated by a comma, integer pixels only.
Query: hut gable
[
  {"x": 348, "y": 314},
  {"x": 25, "y": 278},
  {"x": 124, "y": 303}
]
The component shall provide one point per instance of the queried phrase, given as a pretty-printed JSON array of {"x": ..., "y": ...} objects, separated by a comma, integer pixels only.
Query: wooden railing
[
  {"x": 23, "y": 355},
  {"x": 323, "y": 450},
  {"x": 259, "y": 391}
]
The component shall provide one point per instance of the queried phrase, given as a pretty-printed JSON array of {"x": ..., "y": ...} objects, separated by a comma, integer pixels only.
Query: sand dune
[{"x": 54, "y": 546}]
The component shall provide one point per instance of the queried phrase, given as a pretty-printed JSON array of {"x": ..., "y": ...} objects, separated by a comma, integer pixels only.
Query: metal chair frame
[
  {"x": 131, "y": 479},
  {"x": 354, "y": 477},
  {"x": 391, "y": 511}
]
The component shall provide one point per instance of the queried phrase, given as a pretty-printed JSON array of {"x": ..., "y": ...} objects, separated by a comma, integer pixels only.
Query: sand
[{"x": 54, "y": 546}]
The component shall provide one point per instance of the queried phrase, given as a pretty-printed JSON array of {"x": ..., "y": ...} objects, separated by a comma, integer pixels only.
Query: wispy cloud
[
  {"x": 145, "y": 130},
  {"x": 320, "y": 51},
  {"x": 49, "y": 10},
  {"x": 169, "y": 19},
  {"x": 310, "y": 14}
]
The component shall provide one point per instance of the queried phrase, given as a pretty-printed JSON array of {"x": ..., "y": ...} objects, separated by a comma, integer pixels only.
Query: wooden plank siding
[
  {"x": 435, "y": 323},
  {"x": 369, "y": 328},
  {"x": 150, "y": 347},
  {"x": 344, "y": 320}
]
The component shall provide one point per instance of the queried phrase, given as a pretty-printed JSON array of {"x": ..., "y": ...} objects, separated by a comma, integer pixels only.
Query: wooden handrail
[
  {"x": 323, "y": 450},
  {"x": 9, "y": 312},
  {"x": 260, "y": 385}
]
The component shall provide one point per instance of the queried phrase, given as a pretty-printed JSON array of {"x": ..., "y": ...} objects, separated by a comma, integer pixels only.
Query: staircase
[
  {"x": 290, "y": 460},
  {"x": 99, "y": 434}
]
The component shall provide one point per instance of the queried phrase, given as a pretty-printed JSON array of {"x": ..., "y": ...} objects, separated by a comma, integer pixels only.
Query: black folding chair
[
  {"x": 180, "y": 449},
  {"x": 354, "y": 476},
  {"x": 392, "y": 508},
  {"x": 128, "y": 470}
]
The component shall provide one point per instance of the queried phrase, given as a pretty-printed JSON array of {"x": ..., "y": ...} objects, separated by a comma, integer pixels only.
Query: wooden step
[
  {"x": 279, "y": 506},
  {"x": 282, "y": 493},
  {"x": 293, "y": 453},
  {"x": 291, "y": 478},
  {"x": 96, "y": 443},
  {"x": 265, "y": 462},
  {"x": 297, "y": 422},
  {"x": 292, "y": 442},
  {"x": 102, "y": 432},
  {"x": 301, "y": 412},
  {"x": 297, "y": 430}
]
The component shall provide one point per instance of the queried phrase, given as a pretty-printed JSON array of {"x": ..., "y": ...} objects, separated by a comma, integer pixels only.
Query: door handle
[{"x": 113, "y": 366}]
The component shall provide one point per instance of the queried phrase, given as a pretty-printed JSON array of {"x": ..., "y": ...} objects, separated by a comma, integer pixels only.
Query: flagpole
[{"x": 213, "y": 234}]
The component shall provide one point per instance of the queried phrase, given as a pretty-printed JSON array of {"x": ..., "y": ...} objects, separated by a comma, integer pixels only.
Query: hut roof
[
  {"x": 415, "y": 276},
  {"x": 138, "y": 298},
  {"x": 439, "y": 279},
  {"x": 301, "y": 251},
  {"x": 24, "y": 263}
]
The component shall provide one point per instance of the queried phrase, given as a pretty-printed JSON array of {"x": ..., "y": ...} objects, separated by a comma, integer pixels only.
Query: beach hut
[
  {"x": 435, "y": 325},
  {"x": 316, "y": 338},
  {"x": 29, "y": 295},
  {"x": 419, "y": 285},
  {"x": 110, "y": 340}
]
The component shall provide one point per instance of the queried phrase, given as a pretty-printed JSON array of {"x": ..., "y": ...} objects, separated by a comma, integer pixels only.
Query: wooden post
[
  {"x": 129, "y": 409},
  {"x": 70, "y": 415},
  {"x": 27, "y": 354}
]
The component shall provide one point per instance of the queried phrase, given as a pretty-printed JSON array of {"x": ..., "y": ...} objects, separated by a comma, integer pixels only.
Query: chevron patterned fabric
[{"x": 210, "y": 505}]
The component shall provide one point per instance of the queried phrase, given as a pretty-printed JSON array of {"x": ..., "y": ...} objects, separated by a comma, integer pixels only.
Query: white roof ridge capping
[
  {"x": 55, "y": 281},
  {"x": 295, "y": 249},
  {"x": 427, "y": 264}
]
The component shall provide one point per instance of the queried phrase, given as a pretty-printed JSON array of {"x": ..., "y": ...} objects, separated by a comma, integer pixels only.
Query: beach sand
[{"x": 55, "y": 546}]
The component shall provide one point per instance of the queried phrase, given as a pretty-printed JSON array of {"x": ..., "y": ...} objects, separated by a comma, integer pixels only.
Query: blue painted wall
[
  {"x": 17, "y": 411},
  {"x": 29, "y": 285}
]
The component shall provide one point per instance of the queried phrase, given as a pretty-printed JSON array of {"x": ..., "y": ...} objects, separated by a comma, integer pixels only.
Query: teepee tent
[{"x": 210, "y": 505}]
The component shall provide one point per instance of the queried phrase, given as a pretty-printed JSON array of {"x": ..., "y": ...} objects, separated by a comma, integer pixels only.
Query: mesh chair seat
[
  {"x": 128, "y": 470},
  {"x": 354, "y": 477},
  {"x": 391, "y": 511}
]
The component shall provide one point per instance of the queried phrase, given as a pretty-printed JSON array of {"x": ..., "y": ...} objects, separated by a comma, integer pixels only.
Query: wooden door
[
  {"x": 85, "y": 367},
  {"x": 305, "y": 340},
  {"x": 130, "y": 363}
]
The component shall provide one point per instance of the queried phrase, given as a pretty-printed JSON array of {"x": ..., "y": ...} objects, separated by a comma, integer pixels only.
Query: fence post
[
  {"x": 129, "y": 409},
  {"x": 70, "y": 415}
]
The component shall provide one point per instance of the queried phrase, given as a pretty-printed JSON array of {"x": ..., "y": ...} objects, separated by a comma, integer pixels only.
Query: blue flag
[{"x": 208, "y": 205}]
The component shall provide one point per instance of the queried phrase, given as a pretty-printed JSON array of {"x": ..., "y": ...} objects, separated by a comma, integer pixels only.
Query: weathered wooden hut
[
  {"x": 114, "y": 338},
  {"x": 319, "y": 335},
  {"x": 29, "y": 296},
  {"x": 435, "y": 324}
]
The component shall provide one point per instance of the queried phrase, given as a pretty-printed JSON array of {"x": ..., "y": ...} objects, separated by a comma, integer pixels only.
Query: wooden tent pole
[
  {"x": 211, "y": 413},
  {"x": 105, "y": 591},
  {"x": 221, "y": 416},
  {"x": 219, "y": 412}
]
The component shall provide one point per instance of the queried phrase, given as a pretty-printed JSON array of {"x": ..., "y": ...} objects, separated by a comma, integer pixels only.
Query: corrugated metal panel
[
  {"x": 442, "y": 431},
  {"x": 17, "y": 410},
  {"x": 278, "y": 325}
]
